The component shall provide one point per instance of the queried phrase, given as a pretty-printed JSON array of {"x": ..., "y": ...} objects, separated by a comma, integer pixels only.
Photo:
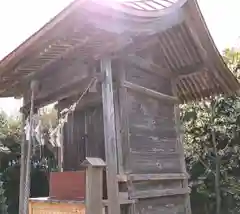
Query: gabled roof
[{"x": 90, "y": 29}]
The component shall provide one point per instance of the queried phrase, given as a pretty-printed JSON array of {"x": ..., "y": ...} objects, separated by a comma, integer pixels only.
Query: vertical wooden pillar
[
  {"x": 27, "y": 165},
  {"x": 180, "y": 148},
  {"x": 60, "y": 150},
  {"x": 94, "y": 185},
  {"x": 123, "y": 117},
  {"x": 118, "y": 136},
  {"x": 23, "y": 162},
  {"x": 110, "y": 137}
]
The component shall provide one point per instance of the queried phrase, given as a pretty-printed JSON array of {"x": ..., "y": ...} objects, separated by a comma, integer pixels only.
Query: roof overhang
[{"x": 91, "y": 29}]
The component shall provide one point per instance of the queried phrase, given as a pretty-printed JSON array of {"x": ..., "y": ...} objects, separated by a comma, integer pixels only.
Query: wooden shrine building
[{"x": 126, "y": 66}]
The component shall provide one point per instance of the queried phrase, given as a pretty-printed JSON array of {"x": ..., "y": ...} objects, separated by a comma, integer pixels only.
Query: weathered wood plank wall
[
  {"x": 150, "y": 138},
  {"x": 74, "y": 151},
  {"x": 152, "y": 134},
  {"x": 83, "y": 137},
  {"x": 166, "y": 205}
]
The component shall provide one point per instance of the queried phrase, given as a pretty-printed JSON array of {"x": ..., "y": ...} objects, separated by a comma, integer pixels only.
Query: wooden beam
[
  {"x": 153, "y": 177},
  {"x": 110, "y": 137},
  {"x": 123, "y": 199},
  {"x": 75, "y": 88},
  {"x": 149, "y": 92},
  {"x": 148, "y": 66},
  {"x": 159, "y": 193},
  {"x": 90, "y": 99},
  {"x": 64, "y": 90},
  {"x": 125, "y": 202}
]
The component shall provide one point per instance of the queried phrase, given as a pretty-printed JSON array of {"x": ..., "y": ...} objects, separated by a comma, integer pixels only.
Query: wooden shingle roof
[{"x": 91, "y": 29}]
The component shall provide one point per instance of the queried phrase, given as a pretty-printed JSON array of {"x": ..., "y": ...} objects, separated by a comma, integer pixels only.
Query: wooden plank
[
  {"x": 152, "y": 193},
  {"x": 123, "y": 199},
  {"x": 30, "y": 209},
  {"x": 94, "y": 140},
  {"x": 148, "y": 66},
  {"x": 74, "y": 88},
  {"x": 118, "y": 135},
  {"x": 74, "y": 141},
  {"x": 154, "y": 177},
  {"x": 122, "y": 202},
  {"x": 53, "y": 207},
  {"x": 151, "y": 163},
  {"x": 156, "y": 185},
  {"x": 110, "y": 137},
  {"x": 149, "y": 92},
  {"x": 124, "y": 123},
  {"x": 94, "y": 190},
  {"x": 151, "y": 123},
  {"x": 161, "y": 205}
]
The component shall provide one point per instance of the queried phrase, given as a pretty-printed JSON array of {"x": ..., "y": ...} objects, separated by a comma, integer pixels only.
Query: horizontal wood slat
[
  {"x": 167, "y": 176},
  {"x": 151, "y": 193},
  {"x": 153, "y": 177}
]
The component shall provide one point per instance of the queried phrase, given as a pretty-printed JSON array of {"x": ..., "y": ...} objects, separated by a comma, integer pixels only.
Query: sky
[{"x": 19, "y": 19}]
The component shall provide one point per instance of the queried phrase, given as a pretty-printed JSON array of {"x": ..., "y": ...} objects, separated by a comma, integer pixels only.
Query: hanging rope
[
  {"x": 74, "y": 105},
  {"x": 66, "y": 112},
  {"x": 72, "y": 108}
]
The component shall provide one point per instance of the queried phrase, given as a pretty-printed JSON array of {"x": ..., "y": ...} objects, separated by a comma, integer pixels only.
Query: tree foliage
[
  {"x": 212, "y": 145},
  {"x": 10, "y": 152}
]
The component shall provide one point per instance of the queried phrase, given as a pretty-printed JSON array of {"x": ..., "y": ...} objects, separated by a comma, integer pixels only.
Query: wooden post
[
  {"x": 123, "y": 108},
  {"x": 27, "y": 184},
  {"x": 180, "y": 148},
  {"x": 94, "y": 185},
  {"x": 110, "y": 137},
  {"x": 24, "y": 148},
  {"x": 60, "y": 150}
]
